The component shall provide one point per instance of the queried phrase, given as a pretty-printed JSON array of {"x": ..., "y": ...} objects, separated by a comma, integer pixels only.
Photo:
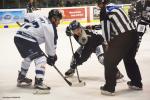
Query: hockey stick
[
  {"x": 76, "y": 67},
  {"x": 18, "y": 24},
  {"x": 68, "y": 82}
]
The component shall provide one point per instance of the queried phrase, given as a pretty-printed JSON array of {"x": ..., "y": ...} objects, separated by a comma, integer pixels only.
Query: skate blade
[
  {"x": 80, "y": 84},
  {"x": 134, "y": 88},
  {"x": 23, "y": 85},
  {"x": 107, "y": 93},
  {"x": 69, "y": 76},
  {"x": 40, "y": 92}
]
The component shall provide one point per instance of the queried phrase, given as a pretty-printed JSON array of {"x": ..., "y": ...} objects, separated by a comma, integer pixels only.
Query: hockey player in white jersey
[
  {"x": 29, "y": 17},
  {"x": 27, "y": 40}
]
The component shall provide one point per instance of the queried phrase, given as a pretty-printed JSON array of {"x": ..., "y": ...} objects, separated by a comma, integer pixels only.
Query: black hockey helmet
[
  {"x": 55, "y": 13},
  {"x": 102, "y": 1},
  {"x": 74, "y": 25}
]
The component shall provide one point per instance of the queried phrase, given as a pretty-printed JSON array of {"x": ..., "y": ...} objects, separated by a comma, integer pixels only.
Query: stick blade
[
  {"x": 80, "y": 84},
  {"x": 41, "y": 92}
]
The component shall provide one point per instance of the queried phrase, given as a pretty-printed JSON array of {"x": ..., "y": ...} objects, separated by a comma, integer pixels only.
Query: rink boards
[{"x": 84, "y": 14}]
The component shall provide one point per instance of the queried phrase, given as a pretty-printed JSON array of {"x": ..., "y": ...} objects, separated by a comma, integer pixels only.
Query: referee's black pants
[{"x": 121, "y": 47}]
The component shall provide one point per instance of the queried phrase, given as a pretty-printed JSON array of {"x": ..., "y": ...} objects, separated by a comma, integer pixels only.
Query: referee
[{"x": 121, "y": 41}]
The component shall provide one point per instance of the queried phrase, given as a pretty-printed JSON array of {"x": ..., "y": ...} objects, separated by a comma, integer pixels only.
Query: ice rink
[{"x": 92, "y": 72}]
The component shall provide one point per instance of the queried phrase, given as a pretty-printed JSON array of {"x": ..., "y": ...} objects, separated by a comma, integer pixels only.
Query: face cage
[{"x": 72, "y": 31}]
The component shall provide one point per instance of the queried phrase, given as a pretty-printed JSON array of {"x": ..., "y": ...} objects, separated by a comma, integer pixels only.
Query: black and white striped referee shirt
[{"x": 114, "y": 21}]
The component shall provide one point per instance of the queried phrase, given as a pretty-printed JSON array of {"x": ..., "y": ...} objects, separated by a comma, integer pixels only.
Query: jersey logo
[{"x": 110, "y": 8}]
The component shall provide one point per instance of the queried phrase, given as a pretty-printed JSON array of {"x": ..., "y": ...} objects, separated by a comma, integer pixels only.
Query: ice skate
[
  {"x": 41, "y": 88},
  {"x": 134, "y": 87},
  {"x": 23, "y": 81},
  {"x": 106, "y": 91},
  {"x": 70, "y": 72}
]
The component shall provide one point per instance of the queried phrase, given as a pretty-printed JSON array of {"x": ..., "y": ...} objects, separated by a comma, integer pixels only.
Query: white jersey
[
  {"x": 29, "y": 17},
  {"x": 42, "y": 31}
]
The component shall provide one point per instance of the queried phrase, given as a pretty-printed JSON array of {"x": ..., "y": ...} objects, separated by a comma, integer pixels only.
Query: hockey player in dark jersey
[
  {"x": 30, "y": 6},
  {"x": 132, "y": 12},
  {"x": 143, "y": 17},
  {"x": 89, "y": 43}
]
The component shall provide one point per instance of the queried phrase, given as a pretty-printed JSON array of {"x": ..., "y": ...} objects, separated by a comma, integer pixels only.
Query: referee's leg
[
  {"x": 112, "y": 58},
  {"x": 131, "y": 65}
]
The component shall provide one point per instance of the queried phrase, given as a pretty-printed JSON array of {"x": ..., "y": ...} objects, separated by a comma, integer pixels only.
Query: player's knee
[
  {"x": 40, "y": 61},
  {"x": 40, "y": 64}
]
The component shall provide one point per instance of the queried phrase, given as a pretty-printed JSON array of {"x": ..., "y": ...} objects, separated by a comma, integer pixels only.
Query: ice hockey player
[
  {"x": 27, "y": 40},
  {"x": 30, "y": 6},
  {"x": 143, "y": 17},
  {"x": 89, "y": 43},
  {"x": 132, "y": 12}
]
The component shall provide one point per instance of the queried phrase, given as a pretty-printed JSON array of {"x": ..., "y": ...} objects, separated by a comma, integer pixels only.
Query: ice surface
[{"x": 92, "y": 72}]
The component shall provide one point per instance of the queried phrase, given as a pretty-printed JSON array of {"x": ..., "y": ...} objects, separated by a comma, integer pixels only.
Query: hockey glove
[
  {"x": 88, "y": 27},
  {"x": 68, "y": 31},
  {"x": 93, "y": 27},
  {"x": 97, "y": 27},
  {"x": 51, "y": 60}
]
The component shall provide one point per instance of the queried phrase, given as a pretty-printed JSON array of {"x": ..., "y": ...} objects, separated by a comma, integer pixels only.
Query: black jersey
[
  {"x": 84, "y": 51},
  {"x": 143, "y": 10},
  {"x": 93, "y": 41}
]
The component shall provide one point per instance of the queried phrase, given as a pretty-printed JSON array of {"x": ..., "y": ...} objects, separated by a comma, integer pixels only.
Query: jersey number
[{"x": 34, "y": 23}]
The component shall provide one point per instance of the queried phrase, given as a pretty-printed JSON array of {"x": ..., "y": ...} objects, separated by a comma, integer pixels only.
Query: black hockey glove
[
  {"x": 88, "y": 27},
  {"x": 51, "y": 60},
  {"x": 97, "y": 27},
  {"x": 68, "y": 31},
  {"x": 93, "y": 27}
]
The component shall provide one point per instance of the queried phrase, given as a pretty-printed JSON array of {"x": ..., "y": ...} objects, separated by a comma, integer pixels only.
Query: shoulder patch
[{"x": 110, "y": 8}]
